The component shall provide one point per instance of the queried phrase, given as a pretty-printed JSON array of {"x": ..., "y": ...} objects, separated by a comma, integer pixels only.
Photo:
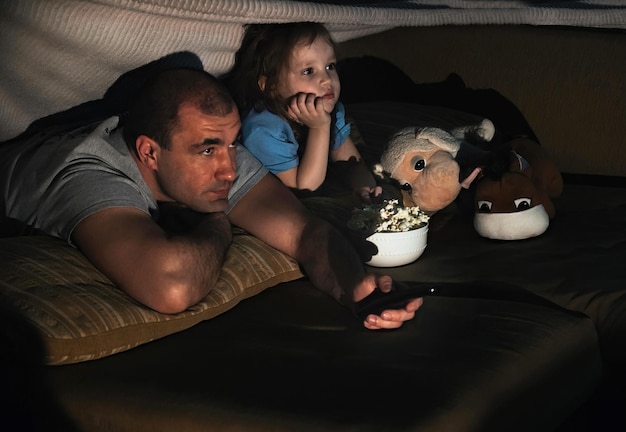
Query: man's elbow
[
  {"x": 173, "y": 298},
  {"x": 172, "y": 301},
  {"x": 177, "y": 285}
]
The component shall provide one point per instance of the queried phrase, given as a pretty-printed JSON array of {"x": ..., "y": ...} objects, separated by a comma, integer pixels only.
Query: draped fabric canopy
[{"x": 59, "y": 54}]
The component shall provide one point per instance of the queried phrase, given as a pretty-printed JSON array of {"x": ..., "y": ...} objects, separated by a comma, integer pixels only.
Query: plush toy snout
[
  {"x": 432, "y": 179},
  {"x": 511, "y": 208}
]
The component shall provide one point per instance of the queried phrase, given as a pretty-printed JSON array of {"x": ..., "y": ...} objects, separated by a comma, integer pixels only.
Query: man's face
[{"x": 199, "y": 169}]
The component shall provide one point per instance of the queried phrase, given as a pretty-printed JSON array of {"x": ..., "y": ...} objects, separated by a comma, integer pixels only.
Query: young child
[{"x": 286, "y": 85}]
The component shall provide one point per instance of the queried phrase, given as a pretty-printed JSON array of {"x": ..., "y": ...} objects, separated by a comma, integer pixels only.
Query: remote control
[{"x": 397, "y": 298}]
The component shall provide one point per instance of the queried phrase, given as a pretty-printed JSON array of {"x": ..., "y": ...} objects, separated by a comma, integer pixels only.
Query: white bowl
[{"x": 398, "y": 248}]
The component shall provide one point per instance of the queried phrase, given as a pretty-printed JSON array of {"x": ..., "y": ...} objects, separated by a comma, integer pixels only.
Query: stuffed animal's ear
[
  {"x": 439, "y": 138},
  {"x": 520, "y": 165},
  {"x": 415, "y": 139},
  {"x": 481, "y": 132}
]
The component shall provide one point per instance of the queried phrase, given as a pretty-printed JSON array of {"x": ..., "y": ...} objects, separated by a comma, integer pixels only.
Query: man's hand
[
  {"x": 273, "y": 214},
  {"x": 388, "y": 319}
]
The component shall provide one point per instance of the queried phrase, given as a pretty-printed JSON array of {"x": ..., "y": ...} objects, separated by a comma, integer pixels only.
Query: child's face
[{"x": 312, "y": 69}]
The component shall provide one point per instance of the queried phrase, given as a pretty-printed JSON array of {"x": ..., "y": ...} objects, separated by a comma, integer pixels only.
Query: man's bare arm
[
  {"x": 166, "y": 272},
  {"x": 272, "y": 213}
]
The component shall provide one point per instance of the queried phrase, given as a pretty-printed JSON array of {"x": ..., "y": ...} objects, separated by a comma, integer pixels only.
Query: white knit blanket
[{"x": 59, "y": 53}]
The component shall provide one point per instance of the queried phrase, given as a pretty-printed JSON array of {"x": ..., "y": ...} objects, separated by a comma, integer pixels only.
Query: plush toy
[
  {"x": 424, "y": 162},
  {"x": 518, "y": 204},
  {"x": 513, "y": 184}
]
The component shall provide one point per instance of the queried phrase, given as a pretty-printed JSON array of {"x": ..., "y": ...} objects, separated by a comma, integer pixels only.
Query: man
[{"x": 120, "y": 190}]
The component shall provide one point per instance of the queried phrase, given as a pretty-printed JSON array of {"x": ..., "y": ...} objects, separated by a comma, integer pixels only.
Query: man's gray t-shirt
[{"x": 52, "y": 182}]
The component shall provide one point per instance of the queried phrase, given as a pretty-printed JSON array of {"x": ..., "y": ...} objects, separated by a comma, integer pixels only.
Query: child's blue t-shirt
[{"x": 271, "y": 139}]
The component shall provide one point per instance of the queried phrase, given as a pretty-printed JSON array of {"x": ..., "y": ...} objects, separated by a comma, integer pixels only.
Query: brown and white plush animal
[{"x": 518, "y": 205}]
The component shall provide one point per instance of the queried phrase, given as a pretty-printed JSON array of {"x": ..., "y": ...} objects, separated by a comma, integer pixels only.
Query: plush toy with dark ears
[
  {"x": 513, "y": 184},
  {"x": 518, "y": 204},
  {"x": 423, "y": 161}
]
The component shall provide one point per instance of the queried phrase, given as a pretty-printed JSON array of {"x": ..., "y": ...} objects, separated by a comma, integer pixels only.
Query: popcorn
[{"x": 389, "y": 216}]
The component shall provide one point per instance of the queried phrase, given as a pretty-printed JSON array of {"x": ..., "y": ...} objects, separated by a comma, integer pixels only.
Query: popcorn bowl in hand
[{"x": 398, "y": 248}]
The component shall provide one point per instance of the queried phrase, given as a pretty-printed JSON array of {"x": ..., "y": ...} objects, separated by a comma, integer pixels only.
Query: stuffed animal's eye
[
  {"x": 406, "y": 187},
  {"x": 484, "y": 206},
  {"x": 522, "y": 203},
  {"x": 418, "y": 163}
]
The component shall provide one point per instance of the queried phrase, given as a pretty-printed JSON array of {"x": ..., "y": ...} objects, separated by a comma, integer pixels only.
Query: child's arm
[
  {"x": 311, "y": 172},
  {"x": 358, "y": 177}
]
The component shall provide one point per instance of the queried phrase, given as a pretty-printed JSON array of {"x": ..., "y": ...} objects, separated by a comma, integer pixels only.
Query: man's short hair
[{"x": 154, "y": 110}]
